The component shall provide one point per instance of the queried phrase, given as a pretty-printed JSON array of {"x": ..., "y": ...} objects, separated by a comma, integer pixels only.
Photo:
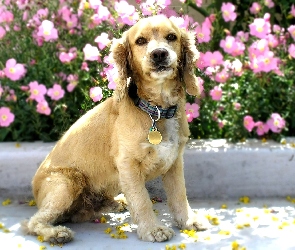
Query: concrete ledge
[
  {"x": 213, "y": 168},
  {"x": 18, "y": 164},
  {"x": 256, "y": 169}
]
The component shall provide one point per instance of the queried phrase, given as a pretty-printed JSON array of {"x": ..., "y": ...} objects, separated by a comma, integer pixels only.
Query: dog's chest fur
[{"x": 165, "y": 153}]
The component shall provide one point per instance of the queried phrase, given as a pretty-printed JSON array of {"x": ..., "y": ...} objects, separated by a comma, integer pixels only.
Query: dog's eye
[
  {"x": 171, "y": 37},
  {"x": 141, "y": 41}
]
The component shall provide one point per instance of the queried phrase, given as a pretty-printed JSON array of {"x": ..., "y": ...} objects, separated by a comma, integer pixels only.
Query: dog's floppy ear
[
  {"x": 120, "y": 53},
  {"x": 190, "y": 55}
]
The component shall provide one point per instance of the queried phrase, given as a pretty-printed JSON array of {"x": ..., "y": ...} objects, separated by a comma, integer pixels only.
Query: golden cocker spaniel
[{"x": 136, "y": 135}]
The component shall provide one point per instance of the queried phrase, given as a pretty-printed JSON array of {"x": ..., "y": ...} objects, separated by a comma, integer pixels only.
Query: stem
[{"x": 195, "y": 7}]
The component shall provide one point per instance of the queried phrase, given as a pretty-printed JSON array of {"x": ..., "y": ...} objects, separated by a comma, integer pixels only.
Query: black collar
[{"x": 153, "y": 111}]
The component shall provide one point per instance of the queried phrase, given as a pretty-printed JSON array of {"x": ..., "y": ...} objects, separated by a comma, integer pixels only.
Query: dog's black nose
[{"x": 159, "y": 55}]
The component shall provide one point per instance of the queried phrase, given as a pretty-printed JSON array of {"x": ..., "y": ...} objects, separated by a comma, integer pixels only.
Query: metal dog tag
[{"x": 154, "y": 136}]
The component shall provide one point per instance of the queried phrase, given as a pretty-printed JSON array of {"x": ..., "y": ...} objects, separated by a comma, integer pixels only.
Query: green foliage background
[{"x": 259, "y": 94}]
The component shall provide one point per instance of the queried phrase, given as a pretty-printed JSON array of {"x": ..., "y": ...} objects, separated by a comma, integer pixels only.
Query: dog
[{"x": 134, "y": 136}]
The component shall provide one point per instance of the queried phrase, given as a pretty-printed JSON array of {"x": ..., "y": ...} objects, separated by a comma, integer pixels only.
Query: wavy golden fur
[{"x": 106, "y": 151}]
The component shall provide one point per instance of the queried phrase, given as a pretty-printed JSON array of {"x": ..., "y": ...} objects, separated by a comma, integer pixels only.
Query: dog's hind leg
[{"x": 58, "y": 197}]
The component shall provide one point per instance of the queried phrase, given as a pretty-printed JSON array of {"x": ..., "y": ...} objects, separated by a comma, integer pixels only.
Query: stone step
[{"x": 213, "y": 169}]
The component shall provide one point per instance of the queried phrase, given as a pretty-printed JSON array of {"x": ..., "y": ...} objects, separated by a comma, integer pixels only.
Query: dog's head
[{"x": 155, "y": 51}]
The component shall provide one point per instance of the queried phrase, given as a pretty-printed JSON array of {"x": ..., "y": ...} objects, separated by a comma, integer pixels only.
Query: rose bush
[
  {"x": 248, "y": 69},
  {"x": 54, "y": 65},
  {"x": 49, "y": 61}
]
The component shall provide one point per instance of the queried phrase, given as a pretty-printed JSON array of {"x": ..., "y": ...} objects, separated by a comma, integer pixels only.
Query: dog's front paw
[
  {"x": 156, "y": 233},
  {"x": 195, "y": 221}
]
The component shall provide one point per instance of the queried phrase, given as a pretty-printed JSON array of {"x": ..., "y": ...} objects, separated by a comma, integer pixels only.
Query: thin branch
[{"x": 195, "y": 7}]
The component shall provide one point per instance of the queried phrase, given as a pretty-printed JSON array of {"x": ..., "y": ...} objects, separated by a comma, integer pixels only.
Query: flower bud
[
  {"x": 24, "y": 88},
  {"x": 212, "y": 18}
]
